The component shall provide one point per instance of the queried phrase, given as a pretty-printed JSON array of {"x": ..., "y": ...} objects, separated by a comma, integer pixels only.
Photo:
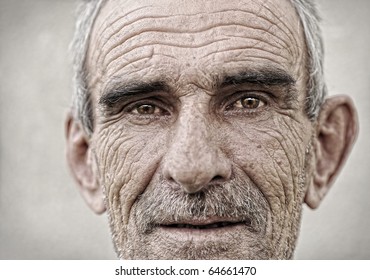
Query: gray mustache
[{"x": 234, "y": 200}]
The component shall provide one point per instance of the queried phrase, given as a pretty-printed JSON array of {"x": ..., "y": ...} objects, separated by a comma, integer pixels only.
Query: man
[{"x": 202, "y": 126}]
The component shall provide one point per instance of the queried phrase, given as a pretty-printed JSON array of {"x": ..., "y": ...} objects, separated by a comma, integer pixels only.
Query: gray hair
[
  {"x": 87, "y": 12},
  {"x": 89, "y": 9}
]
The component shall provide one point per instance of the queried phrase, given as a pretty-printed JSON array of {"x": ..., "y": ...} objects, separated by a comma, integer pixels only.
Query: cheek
[
  {"x": 272, "y": 155},
  {"x": 127, "y": 160}
]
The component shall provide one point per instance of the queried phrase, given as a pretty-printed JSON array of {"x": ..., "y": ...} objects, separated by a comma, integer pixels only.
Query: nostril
[
  {"x": 173, "y": 182},
  {"x": 217, "y": 178}
]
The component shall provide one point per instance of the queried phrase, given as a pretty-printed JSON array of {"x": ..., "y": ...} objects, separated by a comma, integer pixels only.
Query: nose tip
[
  {"x": 193, "y": 178},
  {"x": 200, "y": 183},
  {"x": 190, "y": 182}
]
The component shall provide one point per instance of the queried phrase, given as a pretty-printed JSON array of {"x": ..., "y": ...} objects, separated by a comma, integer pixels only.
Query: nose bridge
[
  {"x": 194, "y": 158},
  {"x": 193, "y": 132}
]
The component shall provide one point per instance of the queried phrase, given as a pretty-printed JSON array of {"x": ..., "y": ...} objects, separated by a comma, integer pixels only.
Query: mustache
[{"x": 233, "y": 201}]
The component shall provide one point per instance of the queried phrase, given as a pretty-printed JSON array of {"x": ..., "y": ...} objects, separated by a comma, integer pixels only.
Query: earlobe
[
  {"x": 336, "y": 132},
  {"x": 80, "y": 163}
]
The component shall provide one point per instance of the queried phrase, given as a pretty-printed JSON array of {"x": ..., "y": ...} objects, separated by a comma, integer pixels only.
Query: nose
[{"x": 195, "y": 159}]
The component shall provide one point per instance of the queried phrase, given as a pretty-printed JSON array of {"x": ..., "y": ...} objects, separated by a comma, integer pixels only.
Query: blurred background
[{"x": 42, "y": 215}]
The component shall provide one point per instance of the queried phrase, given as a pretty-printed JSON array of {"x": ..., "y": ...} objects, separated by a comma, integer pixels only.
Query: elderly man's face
[
  {"x": 201, "y": 142},
  {"x": 201, "y": 135}
]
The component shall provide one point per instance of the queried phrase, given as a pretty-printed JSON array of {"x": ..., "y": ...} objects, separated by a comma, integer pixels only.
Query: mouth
[
  {"x": 207, "y": 226},
  {"x": 204, "y": 230}
]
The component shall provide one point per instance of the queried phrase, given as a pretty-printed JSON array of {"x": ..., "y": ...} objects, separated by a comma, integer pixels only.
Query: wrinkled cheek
[
  {"x": 273, "y": 171},
  {"x": 125, "y": 169},
  {"x": 275, "y": 164}
]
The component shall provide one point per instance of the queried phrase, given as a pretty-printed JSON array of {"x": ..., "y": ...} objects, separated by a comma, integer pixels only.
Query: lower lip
[{"x": 201, "y": 235}]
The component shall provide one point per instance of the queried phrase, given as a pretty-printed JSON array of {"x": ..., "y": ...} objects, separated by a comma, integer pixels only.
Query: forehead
[{"x": 171, "y": 39}]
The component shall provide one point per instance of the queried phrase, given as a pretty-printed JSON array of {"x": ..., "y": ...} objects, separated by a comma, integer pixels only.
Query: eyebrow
[
  {"x": 118, "y": 91},
  {"x": 266, "y": 77}
]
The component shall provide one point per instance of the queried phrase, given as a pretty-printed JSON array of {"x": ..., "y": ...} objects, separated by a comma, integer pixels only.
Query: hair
[{"x": 89, "y": 9}]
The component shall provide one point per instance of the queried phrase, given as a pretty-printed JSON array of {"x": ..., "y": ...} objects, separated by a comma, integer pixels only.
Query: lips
[
  {"x": 197, "y": 225},
  {"x": 208, "y": 226},
  {"x": 203, "y": 231}
]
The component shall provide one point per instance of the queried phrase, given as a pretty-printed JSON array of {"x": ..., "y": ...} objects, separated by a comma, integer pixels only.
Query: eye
[
  {"x": 147, "y": 109},
  {"x": 248, "y": 103}
]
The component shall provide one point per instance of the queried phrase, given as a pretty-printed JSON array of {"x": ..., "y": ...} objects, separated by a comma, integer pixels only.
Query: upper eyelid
[
  {"x": 256, "y": 93},
  {"x": 262, "y": 95}
]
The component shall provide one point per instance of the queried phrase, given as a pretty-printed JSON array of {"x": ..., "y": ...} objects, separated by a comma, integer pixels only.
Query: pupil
[
  {"x": 250, "y": 102},
  {"x": 146, "y": 109}
]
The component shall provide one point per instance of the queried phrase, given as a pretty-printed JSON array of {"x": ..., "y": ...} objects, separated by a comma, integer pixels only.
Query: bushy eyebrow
[
  {"x": 267, "y": 77},
  {"x": 117, "y": 92}
]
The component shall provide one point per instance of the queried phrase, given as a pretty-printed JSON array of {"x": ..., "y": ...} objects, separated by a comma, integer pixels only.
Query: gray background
[{"x": 42, "y": 216}]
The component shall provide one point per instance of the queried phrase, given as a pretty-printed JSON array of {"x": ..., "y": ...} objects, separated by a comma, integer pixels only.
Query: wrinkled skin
[{"x": 199, "y": 119}]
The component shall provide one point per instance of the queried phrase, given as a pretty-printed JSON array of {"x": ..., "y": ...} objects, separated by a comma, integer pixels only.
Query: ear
[
  {"x": 336, "y": 132},
  {"x": 80, "y": 163}
]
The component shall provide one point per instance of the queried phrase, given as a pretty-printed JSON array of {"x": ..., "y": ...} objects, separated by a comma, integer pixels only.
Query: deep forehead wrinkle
[
  {"x": 189, "y": 45},
  {"x": 269, "y": 7},
  {"x": 150, "y": 21},
  {"x": 170, "y": 37},
  {"x": 192, "y": 25},
  {"x": 139, "y": 39}
]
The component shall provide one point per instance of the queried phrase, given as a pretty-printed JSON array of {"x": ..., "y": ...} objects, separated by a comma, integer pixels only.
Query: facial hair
[{"x": 165, "y": 204}]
